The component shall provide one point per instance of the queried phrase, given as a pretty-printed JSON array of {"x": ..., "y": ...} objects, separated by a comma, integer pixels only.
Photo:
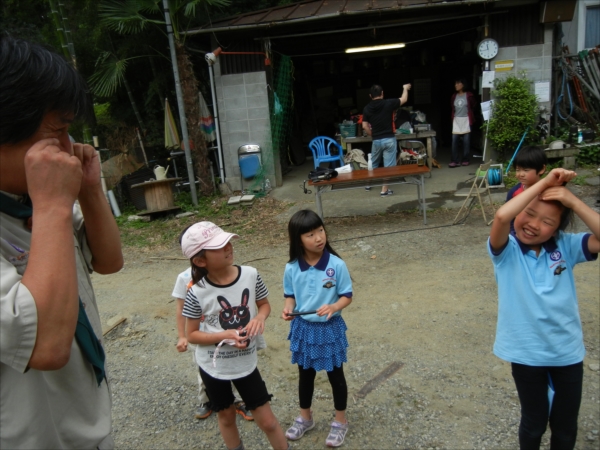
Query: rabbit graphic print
[
  {"x": 226, "y": 307},
  {"x": 235, "y": 317}
]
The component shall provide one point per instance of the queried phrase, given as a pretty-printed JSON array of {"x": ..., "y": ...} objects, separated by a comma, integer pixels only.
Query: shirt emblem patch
[
  {"x": 329, "y": 285},
  {"x": 559, "y": 270},
  {"x": 330, "y": 272},
  {"x": 555, "y": 255}
]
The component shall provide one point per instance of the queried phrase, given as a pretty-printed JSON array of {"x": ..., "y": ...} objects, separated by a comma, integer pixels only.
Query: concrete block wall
[
  {"x": 536, "y": 60},
  {"x": 243, "y": 106}
]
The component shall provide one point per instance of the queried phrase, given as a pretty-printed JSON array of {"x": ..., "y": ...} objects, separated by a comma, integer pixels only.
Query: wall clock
[{"x": 487, "y": 49}]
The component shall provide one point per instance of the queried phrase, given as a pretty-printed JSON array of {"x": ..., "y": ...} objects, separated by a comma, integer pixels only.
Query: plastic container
[
  {"x": 267, "y": 185},
  {"x": 370, "y": 163},
  {"x": 348, "y": 130}
]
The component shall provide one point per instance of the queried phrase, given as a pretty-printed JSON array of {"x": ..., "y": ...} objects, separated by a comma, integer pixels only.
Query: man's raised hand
[{"x": 53, "y": 175}]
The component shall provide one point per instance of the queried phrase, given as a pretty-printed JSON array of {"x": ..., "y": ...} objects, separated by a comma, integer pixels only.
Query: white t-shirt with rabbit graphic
[{"x": 226, "y": 307}]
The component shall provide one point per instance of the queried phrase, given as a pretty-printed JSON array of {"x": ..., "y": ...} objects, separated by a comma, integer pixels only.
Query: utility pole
[{"x": 180, "y": 105}]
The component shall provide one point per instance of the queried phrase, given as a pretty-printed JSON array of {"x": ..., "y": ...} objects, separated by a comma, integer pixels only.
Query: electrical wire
[
  {"x": 407, "y": 43},
  {"x": 396, "y": 232},
  {"x": 210, "y": 22}
]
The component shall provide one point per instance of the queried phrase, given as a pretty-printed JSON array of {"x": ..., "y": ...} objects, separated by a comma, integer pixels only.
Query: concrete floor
[{"x": 440, "y": 191}]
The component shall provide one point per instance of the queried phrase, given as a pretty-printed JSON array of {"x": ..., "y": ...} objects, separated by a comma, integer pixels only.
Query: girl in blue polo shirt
[
  {"x": 539, "y": 330},
  {"x": 317, "y": 284}
]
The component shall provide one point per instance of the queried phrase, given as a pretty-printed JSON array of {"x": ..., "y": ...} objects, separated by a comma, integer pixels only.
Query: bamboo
[
  {"x": 67, "y": 32},
  {"x": 137, "y": 130},
  {"x": 60, "y": 32},
  {"x": 133, "y": 104}
]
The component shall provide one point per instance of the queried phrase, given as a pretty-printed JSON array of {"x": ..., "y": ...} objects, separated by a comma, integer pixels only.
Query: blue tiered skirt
[{"x": 318, "y": 345}]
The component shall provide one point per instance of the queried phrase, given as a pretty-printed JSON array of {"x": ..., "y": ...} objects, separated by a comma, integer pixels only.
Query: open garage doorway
[{"x": 331, "y": 86}]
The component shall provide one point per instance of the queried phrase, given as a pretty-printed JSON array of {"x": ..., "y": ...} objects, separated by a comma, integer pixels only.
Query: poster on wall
[
  {"x": 487, "y": 79},
  {"x": 486, "y": 109},
  {"x": 542, "y": 91}
]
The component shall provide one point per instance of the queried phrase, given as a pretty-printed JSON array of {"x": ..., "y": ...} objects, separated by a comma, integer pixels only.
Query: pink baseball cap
[{"x": 204, "y": 236}]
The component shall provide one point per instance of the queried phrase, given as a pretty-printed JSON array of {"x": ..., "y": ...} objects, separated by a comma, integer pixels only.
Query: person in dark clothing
[
  {"x": 378, "y": 123},
  {"x": 464, "y": 106}
]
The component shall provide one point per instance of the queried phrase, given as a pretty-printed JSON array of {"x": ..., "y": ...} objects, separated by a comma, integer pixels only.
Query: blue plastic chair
[{"x": 321, "y": 148}]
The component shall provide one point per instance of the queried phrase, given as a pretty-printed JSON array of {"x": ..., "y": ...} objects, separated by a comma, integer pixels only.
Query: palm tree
[
  {"x": 137, "y": 16},
  {"x": 108, "y": 77}
]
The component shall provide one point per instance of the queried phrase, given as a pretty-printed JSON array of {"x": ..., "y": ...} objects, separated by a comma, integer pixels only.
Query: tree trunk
[
  {"x": 134, "y": 106},
  {"x": 189, "y": 86}
]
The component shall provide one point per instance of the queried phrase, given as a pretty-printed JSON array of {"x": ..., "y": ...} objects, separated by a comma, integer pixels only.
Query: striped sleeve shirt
[{"x": 193, "y": 309}]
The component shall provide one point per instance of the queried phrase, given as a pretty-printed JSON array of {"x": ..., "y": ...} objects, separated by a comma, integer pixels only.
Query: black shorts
[{"x": 252, "y": 389}]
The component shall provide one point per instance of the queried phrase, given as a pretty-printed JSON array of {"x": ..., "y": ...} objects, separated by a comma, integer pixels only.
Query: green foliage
[
  {"x": 109, "y": 74},
  {"x": 165, "y": 231},
  {"x": 96, "y": 33},
  {"x": 579, "y": 180},
  {"x": 589, "y": 155},
  {"x": 514, "y": 110},
  {"x": 561, "y": 133},
  {"x": 510, "y": 179},
  {"x": 190, "y": 5},
  {"x": 102, "y": 112},
  {"x": 129, "y": 16}
]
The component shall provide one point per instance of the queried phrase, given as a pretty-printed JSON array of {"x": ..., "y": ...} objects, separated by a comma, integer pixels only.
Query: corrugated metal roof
[{"x": 321, "y": 9}]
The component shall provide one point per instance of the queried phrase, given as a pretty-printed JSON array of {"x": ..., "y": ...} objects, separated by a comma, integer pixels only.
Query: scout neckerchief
[{"x": 84, "y": 333}]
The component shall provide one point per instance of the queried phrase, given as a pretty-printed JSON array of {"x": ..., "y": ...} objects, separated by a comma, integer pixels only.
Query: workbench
[
  {"x": 428, "y": 135},
  {"x": 404, "y": 174}
]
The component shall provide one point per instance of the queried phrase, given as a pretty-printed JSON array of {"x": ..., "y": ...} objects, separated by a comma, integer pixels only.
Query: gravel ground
[{"x": 424, "y": 299}]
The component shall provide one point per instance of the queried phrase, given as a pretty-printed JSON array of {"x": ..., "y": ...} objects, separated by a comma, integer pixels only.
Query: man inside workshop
[
  {"x": 56, "y": 227},
  {"x": 377, "y": 122}
]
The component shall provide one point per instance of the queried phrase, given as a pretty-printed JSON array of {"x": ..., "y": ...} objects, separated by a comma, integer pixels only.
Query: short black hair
[
  {"x": 531, "y": 157},
  {"x": 302, "y": 222},
  {"x": 376, "y": 90},
  {"x": 463, "y": 81},
  {"x": 34, "y": 81}
]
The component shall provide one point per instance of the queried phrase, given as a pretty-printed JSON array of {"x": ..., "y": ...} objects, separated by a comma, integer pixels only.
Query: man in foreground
[{"x": 55, "y": 229}]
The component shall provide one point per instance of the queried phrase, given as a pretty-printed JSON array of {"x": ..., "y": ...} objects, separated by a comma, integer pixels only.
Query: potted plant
[{"x": 514, "y": 112}]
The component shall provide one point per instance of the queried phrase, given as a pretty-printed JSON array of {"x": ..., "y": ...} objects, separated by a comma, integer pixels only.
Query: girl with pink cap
[{"x": 226, "y": 308}]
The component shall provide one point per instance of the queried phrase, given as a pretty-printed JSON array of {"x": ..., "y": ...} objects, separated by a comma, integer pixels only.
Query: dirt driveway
[{"x": 425, "y": 298}]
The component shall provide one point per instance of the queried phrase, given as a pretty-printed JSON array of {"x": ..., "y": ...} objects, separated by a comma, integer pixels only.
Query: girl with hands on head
[
  {"x": 317, "y": 284},
  {"x": 539, "y": 329}
]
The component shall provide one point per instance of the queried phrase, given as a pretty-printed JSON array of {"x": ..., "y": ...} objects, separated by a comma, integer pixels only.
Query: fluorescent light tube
[{"x": 374, "y": 48}]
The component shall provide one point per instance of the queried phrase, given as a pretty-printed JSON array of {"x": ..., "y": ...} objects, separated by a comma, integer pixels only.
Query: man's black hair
[
  {"x": 34, "y": 81},
  {"x": 376, "y": 90},
  {"x": 531, "y": 157}
]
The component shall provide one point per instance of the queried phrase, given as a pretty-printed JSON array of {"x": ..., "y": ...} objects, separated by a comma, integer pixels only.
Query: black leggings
[
  {"x": 306, "y": 387},
  {"x": 532, "y": 386}
]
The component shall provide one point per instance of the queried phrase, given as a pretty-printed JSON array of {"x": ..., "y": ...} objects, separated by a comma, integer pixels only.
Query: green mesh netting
[{"x": 281, "y": 102}]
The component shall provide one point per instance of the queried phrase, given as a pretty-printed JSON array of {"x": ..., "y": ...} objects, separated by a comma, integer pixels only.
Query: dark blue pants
[
  {"x": 457, "y": 156},
  {"x": 532, "y": 386}
]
